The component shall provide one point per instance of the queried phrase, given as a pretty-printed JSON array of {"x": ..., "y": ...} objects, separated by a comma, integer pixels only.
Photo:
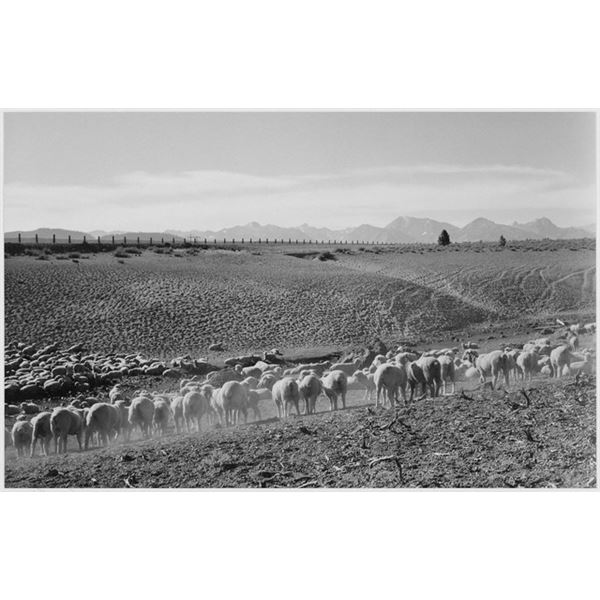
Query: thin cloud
[{"x": 222, "y": 198}]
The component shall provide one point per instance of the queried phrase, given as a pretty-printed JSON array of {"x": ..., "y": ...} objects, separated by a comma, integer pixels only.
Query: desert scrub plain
[{"x": 165, "y": 302}]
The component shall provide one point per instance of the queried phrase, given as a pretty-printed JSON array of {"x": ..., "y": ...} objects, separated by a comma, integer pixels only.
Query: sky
[{"x": 156, "y": 171}]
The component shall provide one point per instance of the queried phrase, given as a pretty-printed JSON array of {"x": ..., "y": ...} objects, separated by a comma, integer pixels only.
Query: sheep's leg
[
  {"x": 56, "y": 438},
  {"x": 32, "y": 450}
]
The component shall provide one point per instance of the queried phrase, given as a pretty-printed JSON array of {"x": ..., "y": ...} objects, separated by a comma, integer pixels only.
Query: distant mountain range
[{"x": 400, "y": 230}]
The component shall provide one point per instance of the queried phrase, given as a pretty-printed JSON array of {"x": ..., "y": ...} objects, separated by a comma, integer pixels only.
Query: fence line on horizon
[{"x": 182, "y": 242}]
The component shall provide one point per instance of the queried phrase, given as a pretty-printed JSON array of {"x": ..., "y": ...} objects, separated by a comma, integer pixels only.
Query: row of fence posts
[{"x": 206, "y": 242}]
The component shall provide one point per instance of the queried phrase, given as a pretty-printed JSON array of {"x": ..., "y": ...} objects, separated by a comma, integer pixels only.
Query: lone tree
[
  {"x": 502, "y": 241},
  {"x": 444, "y": 238}
]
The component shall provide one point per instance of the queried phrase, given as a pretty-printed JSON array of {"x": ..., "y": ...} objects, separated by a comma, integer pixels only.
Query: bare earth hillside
[{"x": 169, "y": 304}]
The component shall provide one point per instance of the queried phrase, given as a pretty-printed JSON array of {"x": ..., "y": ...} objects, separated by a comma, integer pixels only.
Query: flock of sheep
[{"x": 387, "y": 378}]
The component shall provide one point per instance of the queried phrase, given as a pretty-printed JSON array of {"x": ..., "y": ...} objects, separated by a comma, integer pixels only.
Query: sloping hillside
[{"x": 168, "y": 304}]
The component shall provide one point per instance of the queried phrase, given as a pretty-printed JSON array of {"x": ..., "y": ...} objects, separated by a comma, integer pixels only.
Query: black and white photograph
[{"x": 300, "y": 299}]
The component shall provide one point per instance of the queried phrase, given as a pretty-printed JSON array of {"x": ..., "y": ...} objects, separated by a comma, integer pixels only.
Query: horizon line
[{"x": 515, "y": 223}]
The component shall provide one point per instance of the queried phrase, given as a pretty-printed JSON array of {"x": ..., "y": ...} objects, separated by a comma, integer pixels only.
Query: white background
[{"x": 421, "y": 544}]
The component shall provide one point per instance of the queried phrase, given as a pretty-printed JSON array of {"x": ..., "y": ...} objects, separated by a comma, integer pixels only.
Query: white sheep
[
  {"x": 587, "y": 365},
  {"x": 254, "y": 398},
  {"x": 360, "y": 380},
  {"x": 511, "y": 362},
  {"x": 124, "y": 426},
  {"x": 403, "y": 358},
  {"x": 527, "y": 364},
  {"x": 162, "y": 415},
  {"x": 310, "y": 387},
  {"x": 349, "y": 367},
  {"x": 194, "y": 406},
  {"x": 447, "y": 372},
  {"x": 231, "y": 402},
  {"x": 285, "y": 395},
  {"x": 492, "y": 364},
  {"x": 177, "y": 410},
  {"x": 255, "y": 372},
  {"x": 41, "y": 431},
  {"x": 141, "y": 412},
  {"x": 335, "y": 384},
  {"x": 267, "y": 381},
  {"x": 104, "y": 419},
  {"x": 116, "y": 393},
  {"x": 390, "y": 379},
  {"x": 21, "y": 434},
  {"x": 251, "y": 383},
  {"x": 66, "y": 421},
  {"x": 426, "y": 371},
  {"x": 559, "y": 358},
  {"x": 379, "y": 360}
]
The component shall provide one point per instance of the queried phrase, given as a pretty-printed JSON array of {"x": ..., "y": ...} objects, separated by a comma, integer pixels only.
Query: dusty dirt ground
[
  {"x": 167, "y": 305},
  {"x": 545, "y": 438}
]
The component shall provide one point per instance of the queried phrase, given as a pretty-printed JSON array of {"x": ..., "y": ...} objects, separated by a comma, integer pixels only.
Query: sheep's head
[{"x": 470, "y": 356}]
